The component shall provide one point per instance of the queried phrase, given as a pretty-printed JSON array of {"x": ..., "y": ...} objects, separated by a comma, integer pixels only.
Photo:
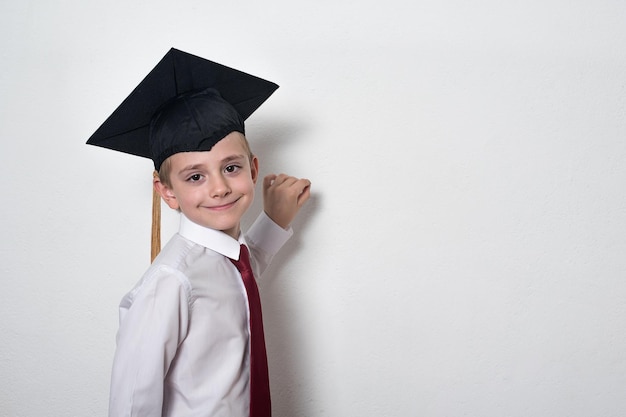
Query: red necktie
[{"x": 260, "y": 403}]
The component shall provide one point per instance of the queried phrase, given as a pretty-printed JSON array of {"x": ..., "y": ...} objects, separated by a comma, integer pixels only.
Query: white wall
[{"x": 462, "y": 255}]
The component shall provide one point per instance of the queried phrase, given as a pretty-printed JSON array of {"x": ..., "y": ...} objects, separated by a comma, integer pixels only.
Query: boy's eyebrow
[
  {"x": 200, "y": 166},
  {"x": 232, "y": 158},
  {"x": 190, "y": 168}
]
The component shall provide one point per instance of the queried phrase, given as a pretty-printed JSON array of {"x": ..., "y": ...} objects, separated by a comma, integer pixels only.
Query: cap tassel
[{"x": 155, "y": 246}]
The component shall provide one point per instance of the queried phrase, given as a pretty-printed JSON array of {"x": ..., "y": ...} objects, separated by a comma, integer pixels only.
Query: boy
[{"x": 191, "y": 341}]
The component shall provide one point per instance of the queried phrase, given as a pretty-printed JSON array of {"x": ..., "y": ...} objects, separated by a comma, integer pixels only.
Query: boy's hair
[{"x": 166, "y": 166}]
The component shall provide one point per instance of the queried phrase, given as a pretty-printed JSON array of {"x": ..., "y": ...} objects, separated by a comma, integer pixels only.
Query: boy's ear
[
  {"x": 254, "y": 168},
  {"x": 166, "y": 193}
]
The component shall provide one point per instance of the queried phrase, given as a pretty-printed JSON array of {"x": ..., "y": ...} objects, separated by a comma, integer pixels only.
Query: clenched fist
[{"x": 283, "y": 196}]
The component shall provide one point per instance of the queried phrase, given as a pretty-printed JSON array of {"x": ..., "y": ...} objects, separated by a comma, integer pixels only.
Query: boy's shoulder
[
  {"x": 171, "y": 265},
  {"x": 175, "y": 254},
  {"x": 180, "y": 256},
  {"x": 183, "y": 259}
]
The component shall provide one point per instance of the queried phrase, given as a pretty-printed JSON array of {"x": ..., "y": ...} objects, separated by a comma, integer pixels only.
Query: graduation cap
[
  {"x": 186, "y": 103},
  {"x": 182, "y": 87}
]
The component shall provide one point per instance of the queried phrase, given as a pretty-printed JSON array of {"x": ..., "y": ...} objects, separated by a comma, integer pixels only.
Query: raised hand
[{"x": 283, "y": 196}]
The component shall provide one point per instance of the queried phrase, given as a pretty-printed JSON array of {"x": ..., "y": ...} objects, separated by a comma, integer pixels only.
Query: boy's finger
[
  {"x": 268, "y": 180},
  {"x": 282, "y": 179},
  {"x": 305, "y": 194}
]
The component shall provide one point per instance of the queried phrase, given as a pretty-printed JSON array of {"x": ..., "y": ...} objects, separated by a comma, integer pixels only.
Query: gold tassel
[{"x": 155, "y": 246}]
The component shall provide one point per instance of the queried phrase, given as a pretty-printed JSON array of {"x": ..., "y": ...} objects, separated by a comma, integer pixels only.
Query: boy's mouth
[{"x": 223, "y": 206}]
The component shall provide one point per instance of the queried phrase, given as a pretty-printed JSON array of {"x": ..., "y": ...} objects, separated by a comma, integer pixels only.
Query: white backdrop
[{"x": 462, "y": 254}]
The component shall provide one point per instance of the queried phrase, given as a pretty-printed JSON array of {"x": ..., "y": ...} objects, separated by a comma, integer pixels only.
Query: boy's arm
[
  {"x": 153, "y": 321},
  {"x": 282, "y": 198}
]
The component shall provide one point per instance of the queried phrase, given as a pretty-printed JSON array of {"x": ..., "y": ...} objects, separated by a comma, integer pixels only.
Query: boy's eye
[
  {"x": 231, "y": 168},
  {"x": 194, "y": 178}
]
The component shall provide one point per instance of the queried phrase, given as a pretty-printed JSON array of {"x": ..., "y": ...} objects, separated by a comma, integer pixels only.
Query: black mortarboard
[{"x": 186, "y": 103}]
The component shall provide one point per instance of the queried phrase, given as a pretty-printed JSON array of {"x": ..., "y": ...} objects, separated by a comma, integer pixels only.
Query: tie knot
[
  {"x": 243, "y": 253},
  {"x": 243, "y": 264}
]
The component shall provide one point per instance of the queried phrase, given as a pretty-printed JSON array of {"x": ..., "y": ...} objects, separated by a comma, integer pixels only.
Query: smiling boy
[{"x": 190, "y": 341}]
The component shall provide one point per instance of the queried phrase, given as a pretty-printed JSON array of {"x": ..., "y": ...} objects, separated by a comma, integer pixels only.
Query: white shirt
[{"x": 183, "y": 341}]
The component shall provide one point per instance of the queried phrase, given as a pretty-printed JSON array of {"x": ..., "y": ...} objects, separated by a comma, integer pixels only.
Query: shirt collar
[{"x": 215, "y": 240}]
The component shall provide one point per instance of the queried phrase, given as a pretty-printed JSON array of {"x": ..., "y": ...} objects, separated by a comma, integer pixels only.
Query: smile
[{"x": 222, "y": 207}]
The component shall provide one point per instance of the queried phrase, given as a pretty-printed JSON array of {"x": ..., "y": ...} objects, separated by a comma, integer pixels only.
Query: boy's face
[{"x": 213, "y": 188}]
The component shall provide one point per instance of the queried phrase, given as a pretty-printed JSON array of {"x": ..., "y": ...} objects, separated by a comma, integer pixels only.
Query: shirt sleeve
[
  {"x": 154, "y": 320},
  {"x": 265, "y": 238}
]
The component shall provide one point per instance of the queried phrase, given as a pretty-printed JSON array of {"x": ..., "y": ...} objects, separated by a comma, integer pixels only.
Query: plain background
[{"x": 463, "y": 253}]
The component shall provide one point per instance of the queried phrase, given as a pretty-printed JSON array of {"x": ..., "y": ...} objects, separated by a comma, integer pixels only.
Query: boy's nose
[{"x": 219, "y": 187}]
